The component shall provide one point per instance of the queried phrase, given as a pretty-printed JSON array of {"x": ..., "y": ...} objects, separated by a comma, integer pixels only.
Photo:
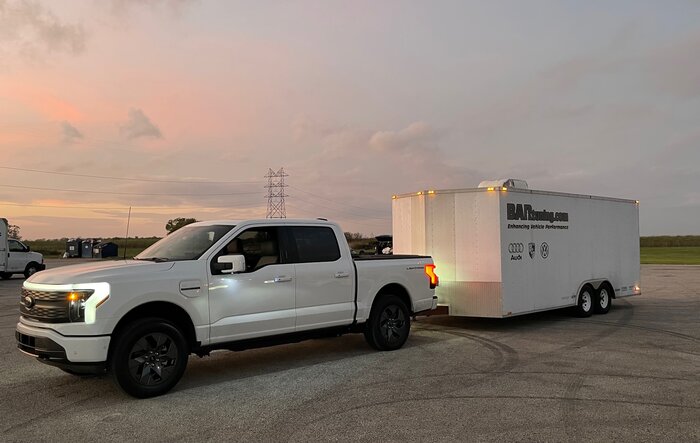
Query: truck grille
[{"x": 44, "y": 306}]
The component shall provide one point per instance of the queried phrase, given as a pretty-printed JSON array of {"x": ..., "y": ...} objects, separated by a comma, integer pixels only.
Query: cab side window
[
  {"x": 259, "y": 246},
  {"x": 313, "y": 244},
  {"x": 15, "y": 246}
]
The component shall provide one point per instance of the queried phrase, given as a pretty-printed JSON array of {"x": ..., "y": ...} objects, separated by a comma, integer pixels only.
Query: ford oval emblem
[{"x": 28, "y": 301}]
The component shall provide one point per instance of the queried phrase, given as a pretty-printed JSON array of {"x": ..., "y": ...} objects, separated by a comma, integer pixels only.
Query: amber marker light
[
  {"x": 431, "y": 192},
  {"x": 101, "y": 302},
  {"x": 504, "y": 189},
  {"x": 73, "y": 296},
  {"x": 419, "y": 193},
  {"x": 434, "y": 279},
  {"x": 393, "y": 197},
  {"x": 490, "y": 188}
]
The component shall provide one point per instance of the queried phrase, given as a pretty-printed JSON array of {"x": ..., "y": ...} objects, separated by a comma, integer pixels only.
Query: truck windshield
[{"x": 188, "y": 243}]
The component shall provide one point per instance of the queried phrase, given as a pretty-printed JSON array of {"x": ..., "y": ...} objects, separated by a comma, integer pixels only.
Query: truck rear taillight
[{"x": 434, "y": 279}]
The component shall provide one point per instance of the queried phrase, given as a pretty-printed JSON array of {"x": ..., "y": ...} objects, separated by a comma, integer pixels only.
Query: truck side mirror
[{"x": 236, "y": 262}]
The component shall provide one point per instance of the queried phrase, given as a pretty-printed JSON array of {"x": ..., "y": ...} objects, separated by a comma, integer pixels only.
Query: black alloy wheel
[
  {"x": 389, "y": 324},
  {"x": 149, "y": 357}
]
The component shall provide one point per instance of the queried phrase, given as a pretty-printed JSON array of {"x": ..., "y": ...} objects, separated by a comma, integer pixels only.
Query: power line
[
  {"x": 332, "y": 201},
  {"x": 345, "y": 214},
  {"x": 124, "y": 208},
  {"x": 108, "y": 177},
  {"x": 127, "y": 193}
]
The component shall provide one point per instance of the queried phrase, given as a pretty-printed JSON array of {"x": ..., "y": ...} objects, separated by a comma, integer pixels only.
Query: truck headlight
[{"x": 76, "y": 304}]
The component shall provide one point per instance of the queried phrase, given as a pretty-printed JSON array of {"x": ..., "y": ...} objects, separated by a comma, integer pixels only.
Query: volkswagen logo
[
  {"x": 544, "y": 250},
  {"x": 516, "y": 248},
  {"x": 28, "y": 301}
]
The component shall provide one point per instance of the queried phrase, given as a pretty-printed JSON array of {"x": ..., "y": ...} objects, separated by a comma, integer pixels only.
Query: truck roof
[{"x": 265, "y": 221}]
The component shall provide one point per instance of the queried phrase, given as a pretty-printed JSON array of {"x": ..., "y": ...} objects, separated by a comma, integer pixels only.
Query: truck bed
[{"x": 387, "y": 257}]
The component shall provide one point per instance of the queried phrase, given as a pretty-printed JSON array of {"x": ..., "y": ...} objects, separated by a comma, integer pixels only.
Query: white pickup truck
[
  {"x": 218, "y": 285},
  {"x": 16, "y": 257}
]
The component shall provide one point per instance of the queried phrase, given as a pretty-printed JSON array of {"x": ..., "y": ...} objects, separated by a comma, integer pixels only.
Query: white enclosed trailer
[{"x": 502, "y": 251}]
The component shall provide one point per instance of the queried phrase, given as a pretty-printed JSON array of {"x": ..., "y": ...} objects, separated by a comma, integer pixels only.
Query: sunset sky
[{"x": 186, "y": 104}]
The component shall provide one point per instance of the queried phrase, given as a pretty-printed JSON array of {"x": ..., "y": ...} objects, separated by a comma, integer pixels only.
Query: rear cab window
[{"x": 312, "y": 244}]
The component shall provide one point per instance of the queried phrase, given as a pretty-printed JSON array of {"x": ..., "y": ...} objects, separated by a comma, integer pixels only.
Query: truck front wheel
[
  {"x": 388, "y": 325},
  {"x": 149, "y": 357},
  {"x": 31, "y": 269}
]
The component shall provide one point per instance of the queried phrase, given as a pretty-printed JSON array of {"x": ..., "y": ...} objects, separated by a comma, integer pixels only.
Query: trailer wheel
[
  {"x": 586, "y": 300},
  {"x": 388, "y": 325},
  {"x": 149, "y": 357},
  {"x": 603, "y": 299}
]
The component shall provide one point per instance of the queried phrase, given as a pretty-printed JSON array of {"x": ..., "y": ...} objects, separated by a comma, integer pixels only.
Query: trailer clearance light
[
  {"x": 434, "y": 279},
  {"x": 431, "y": 192},
  {"x": 490, "y": 188},
  {"x": 504, "y": 189}
]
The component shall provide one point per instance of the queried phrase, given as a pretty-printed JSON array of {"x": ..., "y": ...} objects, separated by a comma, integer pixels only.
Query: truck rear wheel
[
  {"x": 586, "y": 298},
  {"x": 389, "y": 324},
  {"x": 603, "y": 299},
  {"x": 149, "y": 357}
]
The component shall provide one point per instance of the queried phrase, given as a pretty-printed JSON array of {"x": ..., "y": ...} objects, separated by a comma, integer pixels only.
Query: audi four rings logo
[{"x": 516, "y": 248}]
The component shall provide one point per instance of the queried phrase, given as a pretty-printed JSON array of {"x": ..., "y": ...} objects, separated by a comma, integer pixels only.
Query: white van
[{"x": 15, "y": 256}]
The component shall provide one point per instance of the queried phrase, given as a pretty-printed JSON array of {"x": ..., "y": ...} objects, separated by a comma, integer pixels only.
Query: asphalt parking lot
[{"x": 630, "y": 375}]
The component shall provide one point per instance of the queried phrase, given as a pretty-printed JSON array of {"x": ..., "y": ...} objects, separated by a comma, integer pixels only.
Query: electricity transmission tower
[{"x": 275, "y": 194}]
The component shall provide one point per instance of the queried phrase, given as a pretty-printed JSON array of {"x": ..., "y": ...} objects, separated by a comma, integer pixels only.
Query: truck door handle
[
  {"x": 280, "y": 279},
  {"x": 342, "y": 274}
]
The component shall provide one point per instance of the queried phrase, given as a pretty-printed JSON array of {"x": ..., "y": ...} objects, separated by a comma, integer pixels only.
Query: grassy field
[
  {"x": 688, "y": 255},
  {"x": 56, "y": 248},
  {"x": 671, "y": 256}
]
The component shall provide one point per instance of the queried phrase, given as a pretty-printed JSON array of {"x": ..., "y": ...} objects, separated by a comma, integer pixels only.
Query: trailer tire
[
  {"x": 149, "y": 357},
  {"x": 389, "y": 324},
  {"x": 603, "y": 299},
  {"x": 586, "y": 298}
]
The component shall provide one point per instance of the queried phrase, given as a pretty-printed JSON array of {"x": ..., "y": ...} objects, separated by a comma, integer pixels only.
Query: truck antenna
[{"x": 126, "y": 239}]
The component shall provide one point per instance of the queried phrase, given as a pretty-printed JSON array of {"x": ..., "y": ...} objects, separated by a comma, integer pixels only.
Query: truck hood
[{"x": 97, "y": 271}]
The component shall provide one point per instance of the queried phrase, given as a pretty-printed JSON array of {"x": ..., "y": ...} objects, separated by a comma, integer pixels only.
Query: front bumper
[{"x": 53, "y": 348}]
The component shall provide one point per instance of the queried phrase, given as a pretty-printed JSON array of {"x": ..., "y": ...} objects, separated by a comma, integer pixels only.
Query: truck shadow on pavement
[{"x": 227, "y": 366}]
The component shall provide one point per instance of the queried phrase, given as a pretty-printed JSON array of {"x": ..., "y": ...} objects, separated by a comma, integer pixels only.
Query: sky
[{"x": 180, "y": 108}]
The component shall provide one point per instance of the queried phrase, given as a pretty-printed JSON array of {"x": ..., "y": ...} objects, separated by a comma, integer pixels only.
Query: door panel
[
  {"x": 322, "y": 298},
  {"x": 258, "y": 302},
  {"x": 325, "y": 286},
  {"x": 17, "y": 258},
  {"x": 252, "y": 304}
]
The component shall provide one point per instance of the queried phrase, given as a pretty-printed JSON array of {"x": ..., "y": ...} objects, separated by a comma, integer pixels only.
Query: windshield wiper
[{"x": 153, "y": 259}]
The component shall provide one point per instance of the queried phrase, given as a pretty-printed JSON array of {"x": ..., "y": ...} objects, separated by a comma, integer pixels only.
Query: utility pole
[{"x": 275, "y": 193}]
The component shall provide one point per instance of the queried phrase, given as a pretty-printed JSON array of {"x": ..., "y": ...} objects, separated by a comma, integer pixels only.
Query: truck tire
[
  {"x": 586, "y": 300},
  {"x": 149, "y": 357},
  {"x": 31, "y": 269},
  {"x": 389, "y": 324},
  {"x": 603, "y": 299},
  {"x": 5, "y": 275}
]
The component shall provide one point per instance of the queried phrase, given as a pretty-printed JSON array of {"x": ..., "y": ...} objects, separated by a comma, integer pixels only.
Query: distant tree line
[{"x": 669, "y": 241}]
